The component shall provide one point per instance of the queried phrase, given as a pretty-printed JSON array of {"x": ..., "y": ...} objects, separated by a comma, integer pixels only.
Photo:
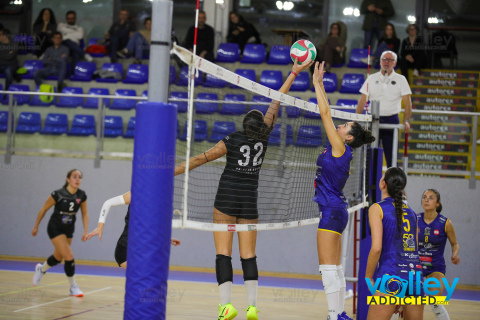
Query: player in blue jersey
[
  {"x": 61, "y": 226},
  {"x": 236, "y": 198},
  {"x": 332, "y": 174},
  {"x": 394, "y": 248},
  {"x": 434, "y": 229}
]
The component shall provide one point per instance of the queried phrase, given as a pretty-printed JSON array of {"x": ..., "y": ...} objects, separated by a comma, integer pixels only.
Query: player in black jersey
[
  {"x": 236, "y": 199},
  {"x": 61, "y": 226},
  {"x": 121, "y": 248}
]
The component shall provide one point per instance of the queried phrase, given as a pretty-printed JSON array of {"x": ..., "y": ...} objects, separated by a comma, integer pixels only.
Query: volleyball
[{"x": 304, "y": 51}]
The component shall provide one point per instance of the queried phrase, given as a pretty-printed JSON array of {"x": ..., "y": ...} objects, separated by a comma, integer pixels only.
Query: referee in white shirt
[{"x": 389, "y": 88}]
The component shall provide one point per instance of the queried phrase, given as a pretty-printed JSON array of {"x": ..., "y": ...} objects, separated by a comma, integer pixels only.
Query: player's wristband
[
  {"x": 295, "y": 73},
  {"x": 113, "y": 202}
]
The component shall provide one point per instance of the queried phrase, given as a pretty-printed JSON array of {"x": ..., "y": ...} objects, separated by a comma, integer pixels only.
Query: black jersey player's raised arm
[
  {"x": 61, "y": 226},
  {"x": 236, "y": 199},
  {"x": 122, "y": 243}
]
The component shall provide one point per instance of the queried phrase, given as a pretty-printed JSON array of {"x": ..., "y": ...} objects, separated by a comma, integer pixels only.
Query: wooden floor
[{"x": 104, "y": 298}]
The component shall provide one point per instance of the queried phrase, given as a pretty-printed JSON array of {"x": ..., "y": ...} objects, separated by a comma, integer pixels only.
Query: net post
[
  {"x": 8, "y": 152},
  {"x": 395, "y": 147},
  {"x": 405, "y": 154},
  {"x": 375, "y": 120},
  {"x": 100, "y": 133},
  {"x": 472, "y": 182}
]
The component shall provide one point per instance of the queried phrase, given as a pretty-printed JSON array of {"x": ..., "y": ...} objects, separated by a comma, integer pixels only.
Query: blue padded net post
[{"x": 151, "y": 210}]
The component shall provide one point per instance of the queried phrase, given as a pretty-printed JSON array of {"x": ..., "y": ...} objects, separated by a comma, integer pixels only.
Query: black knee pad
[
  {"x": 250, "y": 270},
  {"x": 51, "y": 261},
  {"x": 223, "y": 269},
  {"x": 70, "y": 268}
]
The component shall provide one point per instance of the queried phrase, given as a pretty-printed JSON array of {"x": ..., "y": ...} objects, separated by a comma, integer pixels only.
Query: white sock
[
  {"x": 251, "y": 286},
  {"x": 225, "y": 292},
  {"x": 72, "y": 280},
  {"x": 45, "y": 267},
  {"x": 331, "y": 286},
  {"x": 440, "y": 312},
  {"x": 341, "y": 293}
]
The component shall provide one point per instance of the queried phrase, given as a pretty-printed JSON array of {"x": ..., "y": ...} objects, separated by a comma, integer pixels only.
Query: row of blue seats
[
  {"x": 84, "y": 125},
  {"x": 273, "y": 79},
  {"x": 182, "y": 106}
]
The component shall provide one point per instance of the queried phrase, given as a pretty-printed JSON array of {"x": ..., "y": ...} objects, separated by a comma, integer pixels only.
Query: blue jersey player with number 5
[{"x": 236, "y": 199}]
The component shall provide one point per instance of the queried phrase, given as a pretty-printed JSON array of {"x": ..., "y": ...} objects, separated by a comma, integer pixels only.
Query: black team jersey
[
  {"x": 66, "y": 205},
  {"x": 123, "y": 240}
]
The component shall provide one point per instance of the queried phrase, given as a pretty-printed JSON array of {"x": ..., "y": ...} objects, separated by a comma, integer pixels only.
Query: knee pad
[
  {"x": 51, "y": 261},
  {"x": 331, "y": 282},
  {"x": 250, "y": 270},
  {"x": 70, "y": 268},
  {"x": 439, "y": 311},
  {"x": 341, "y": 277},
  {"x": 223, "y": 269}
]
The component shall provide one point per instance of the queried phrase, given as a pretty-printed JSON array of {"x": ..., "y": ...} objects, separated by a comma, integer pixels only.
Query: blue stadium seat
[
  {"x": 213, "y": 82},
  {"x": 55, "y": 124},
  {"x": 29, "y": 122},
  {"x": 31, "y": 66},
  {"x": 200, "y": 133},
  {"x": 233, "y": 108},
  {"x": 272, "y": 79},
  {"x": 293, "y": 112},
  {"x": 311, "y": 114},
  {"x": 279, "y": 55},
  {"x": 20, "y": 98},
  {"x": 92, "y": 103},
  {"x": 275, "y": 136},
  {"x": 355, "y": 58},
  {"x": 206, "y": 107},
  {"x": 95, "y": 41},
  {"x": 70, "y": 102},
  {"x": 330, "y": 82},
  {"x": 183, "y": 77},
  {"x": 137, "y": 74},
  {"x": 36, "y": 102},
  {"x": 352, "y": 82},
  {"x": 67, "y": 73},
  {"x": 112, "y": 67},
  {"x": 84, "y": 71},
  {"x": 220, "y": 130},
  {"x": 82, "y": 125},
  {"x": 3, "y": 121},
  {"x": 309, "y": 136},
  {"x": 301, "y": 82},
  {"x": 173, "y": 75},
  {"x": 254, "y": 53},
  {"x": 347, "y": 103},
  {"x": 113, "y": 126},
  {"x": 182, "y": 106},
  {"x": 124, "y": 104},
  {"x": 228, "y": 52},
  {"x": 246, "y": 73},
  {"x": 26, "y": 43},
  {"x": 130, "y": 133}
]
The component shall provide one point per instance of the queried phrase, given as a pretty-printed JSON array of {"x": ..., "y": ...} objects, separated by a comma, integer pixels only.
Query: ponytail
[
  {"x": 396, "y": 180},
  {"x": 360, "y": 135}
]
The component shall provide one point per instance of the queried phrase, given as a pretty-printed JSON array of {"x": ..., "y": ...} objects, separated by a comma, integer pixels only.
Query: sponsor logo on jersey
[
  {"x": 426, "y": 259},
  {"x": 78, "y": 200},
  {"x": 411, "y": 265},
  {"x": 231, "y": 227},
  {"x": 427, "y": 231},
  {"x": 436, "y": 232}
]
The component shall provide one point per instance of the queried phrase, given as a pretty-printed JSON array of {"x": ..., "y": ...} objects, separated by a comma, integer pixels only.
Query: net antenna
[{"x": 285, "y": 186}]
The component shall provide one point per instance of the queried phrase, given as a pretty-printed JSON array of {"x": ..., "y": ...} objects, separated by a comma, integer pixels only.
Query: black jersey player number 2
[{"x": 257, "y": 160}]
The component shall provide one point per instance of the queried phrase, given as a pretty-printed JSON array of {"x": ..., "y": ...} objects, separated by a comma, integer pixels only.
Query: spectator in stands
[
  {"x": 54, "y": 61},
  {"x": 376, "y": 13},
  {"x": 205, "y": 38},
  {"x": 8, "y": 57},
  {"x": 72, "y": 34},
  {"x": 119, "y": 34},
  {"x": 240, "y": 31},
  {"x": 413, "y": 52},
  {"x": 388, "y": 42},
  {"x": 43, "y": 28},
  {"x": 389, "y": 88},
  {"x": 139, "y": 43},
  {"x": 332, "y": 48}
]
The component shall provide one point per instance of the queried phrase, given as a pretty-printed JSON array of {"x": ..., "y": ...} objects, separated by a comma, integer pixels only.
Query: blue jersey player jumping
[
  {"x": 332, "y": 174},
  {"x": 434, "y": 229},
  {"x": 394, "y": 248}
]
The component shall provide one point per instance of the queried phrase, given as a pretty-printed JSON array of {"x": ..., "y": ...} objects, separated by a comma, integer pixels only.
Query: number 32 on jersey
[{"x": 245, "y": 149}]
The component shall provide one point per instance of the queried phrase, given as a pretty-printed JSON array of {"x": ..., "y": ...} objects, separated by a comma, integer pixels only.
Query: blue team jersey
[
  {"x": 431, "y": 243},
  {"x": 399, "y": 248},
  {"x": 332, "y": 175}
]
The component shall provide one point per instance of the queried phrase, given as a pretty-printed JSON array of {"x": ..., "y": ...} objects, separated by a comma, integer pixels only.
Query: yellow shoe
[
  {"x": 227, "y": 312},
  {"x": 252, "y": 313}
]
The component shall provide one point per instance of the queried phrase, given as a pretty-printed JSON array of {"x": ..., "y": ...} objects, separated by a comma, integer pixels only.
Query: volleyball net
[{"x": 213, "y": 105}]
